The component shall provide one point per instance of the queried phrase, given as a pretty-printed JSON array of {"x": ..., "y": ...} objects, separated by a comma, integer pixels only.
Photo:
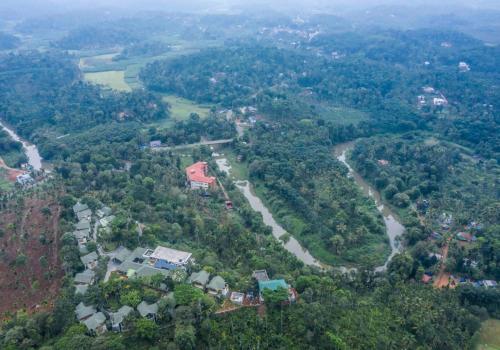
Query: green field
[
  {"x": 341, "y": 115},
  {"x": 239, "y": 170},
  {"x": 112, "y": 79},
  {"x": 181, "y": 108},
  {"x": 489, "y": 336},
  {"x": 5, "y": 185}
]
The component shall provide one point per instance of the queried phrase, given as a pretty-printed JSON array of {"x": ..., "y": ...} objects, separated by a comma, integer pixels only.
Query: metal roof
[{"x": 171, "y": 255}]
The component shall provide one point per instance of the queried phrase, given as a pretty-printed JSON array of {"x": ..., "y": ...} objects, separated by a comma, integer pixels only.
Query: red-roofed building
[{"x": 197, "y": 176}]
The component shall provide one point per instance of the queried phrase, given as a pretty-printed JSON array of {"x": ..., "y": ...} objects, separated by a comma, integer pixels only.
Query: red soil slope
[{"x": 30, "y": 268}]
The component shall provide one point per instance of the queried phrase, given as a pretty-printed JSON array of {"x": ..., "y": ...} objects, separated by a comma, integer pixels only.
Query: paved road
[{"x": 191, "y": 145}]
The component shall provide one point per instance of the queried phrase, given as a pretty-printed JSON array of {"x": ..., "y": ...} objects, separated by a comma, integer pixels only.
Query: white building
[
  {"x": 439, "y": 101},
  {"x": 24, "y": 179},
  {"x": 168, "y": 256},
  {"x": 463, "y": 67}
]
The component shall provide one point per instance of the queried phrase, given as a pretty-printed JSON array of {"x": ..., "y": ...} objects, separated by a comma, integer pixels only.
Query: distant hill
[{"x": 8, "y": 41}]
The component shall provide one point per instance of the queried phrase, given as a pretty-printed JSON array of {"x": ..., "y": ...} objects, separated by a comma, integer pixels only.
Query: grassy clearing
[
  {"x": 5, "y": 185},
  {"x": 239, "y": 170},
  {"x": 341, "y": 115},
  {"x": 112, "y": 79},
  {"x": 489, "y": 336},
  {"x": 181, "y": 108}
]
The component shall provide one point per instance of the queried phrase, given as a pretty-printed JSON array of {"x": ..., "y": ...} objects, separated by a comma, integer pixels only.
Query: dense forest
[
  {"x": 292, "y": 83},
  {"x": 43, "y": 97},
  {"x": 365, "y": 79},
  {"x": 415, "y": 172}
]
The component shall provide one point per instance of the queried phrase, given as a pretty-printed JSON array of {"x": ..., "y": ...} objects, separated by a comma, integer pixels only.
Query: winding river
[
  {"x": 292, "y": 245},
  {"x": 394, "y": 228},
  {"x": 30, "y": 150}
]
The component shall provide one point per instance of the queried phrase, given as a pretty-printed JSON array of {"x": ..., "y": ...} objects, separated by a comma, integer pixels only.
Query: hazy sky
[{"x": 40, "y": 7}]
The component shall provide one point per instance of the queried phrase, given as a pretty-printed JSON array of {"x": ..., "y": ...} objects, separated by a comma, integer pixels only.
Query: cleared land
[
  {"x": 30, "y": 268},
  {"x": 489, "y": 336},
  {"x": 112, "y": 79},
  {"x": 181, "y": 108},
  {"x": 341, "y": 115}
]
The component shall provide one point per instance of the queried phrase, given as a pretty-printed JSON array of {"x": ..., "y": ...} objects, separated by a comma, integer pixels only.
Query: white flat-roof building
[{"x": 170, "y": 255}]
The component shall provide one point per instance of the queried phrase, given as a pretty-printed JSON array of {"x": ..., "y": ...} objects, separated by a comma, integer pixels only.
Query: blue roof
[
  {"x": 272, "y": 284},
  {"x": 162, "y": 264}
]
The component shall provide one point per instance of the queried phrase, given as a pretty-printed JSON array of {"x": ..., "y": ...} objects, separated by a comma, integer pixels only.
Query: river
[
  {"x": 394, "y": 228},
  {"x": 30, "y": 150},
  {"x": 292, "y": 245}
]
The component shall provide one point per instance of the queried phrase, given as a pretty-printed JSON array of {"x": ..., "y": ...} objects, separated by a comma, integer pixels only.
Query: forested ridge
[{"x": 425, "y": 160}]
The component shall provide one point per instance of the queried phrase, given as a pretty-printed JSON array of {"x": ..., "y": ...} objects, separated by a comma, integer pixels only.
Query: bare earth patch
[{"x": 30, "y": 268}]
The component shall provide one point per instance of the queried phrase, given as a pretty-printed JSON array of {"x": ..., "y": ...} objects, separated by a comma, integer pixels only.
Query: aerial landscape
[{"x": 230, "y": 174}]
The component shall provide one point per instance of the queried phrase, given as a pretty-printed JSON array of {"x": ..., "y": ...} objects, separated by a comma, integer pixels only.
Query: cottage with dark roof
[
  {"x": 96, "y": 324},
  {"x": 83, "y": 225},
  {"x": 118, "y": 317},
  {"x": 90, "y": 260},
  {"x": 85, "y": 277},
  {"x": 199, "y": 279},
  {"x": 217, "y": 286},
  {"x": 148, "y": 310},
  {"x": 83, "y": 312},
  {"x": 79, "y": 207}
]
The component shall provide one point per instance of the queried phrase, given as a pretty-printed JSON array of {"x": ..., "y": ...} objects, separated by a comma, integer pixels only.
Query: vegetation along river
[
  {"x": 394, "y": 228},
  {"x": 30, "y": 150},
  {"x": 292, "y": 245}
]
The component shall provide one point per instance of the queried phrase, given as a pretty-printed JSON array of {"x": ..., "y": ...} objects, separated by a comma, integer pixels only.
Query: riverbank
[
  {"x": 394, "y": 228},
  {"x": 31, "y": 151},
  {"x": 290, "y": 244}
]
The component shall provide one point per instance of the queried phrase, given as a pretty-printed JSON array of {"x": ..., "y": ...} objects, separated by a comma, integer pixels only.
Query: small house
[
  {"x": 84, "y": 214},
  {"x": 237, "y": 298},
  {"x": 260, "y": 275},
  {"x": 435, "y": 256},
  {"x": 121, "y": 254},
  {"x": 79, "y": 207},
  {"x": 81, "y": 289},
  {"x": 24, "y": 179},
  {"x": 199, "y": 279},
  {"x": 439, "y": 101},
  {"x": 83, "y": 312},
  {"x": 118, "y": 317},
  {"x": 81, "y": 235},
  {"x": 96, "y": 324},
  {"x": 463, "y": 67},
  {"x": 489, "y": 283},
  {"x": 83, "y": 225},
  {"x": 148, "y": 310},
  {"x": 217, "y": 286},
  {"x": 104, "y": 211},
  {"x": 155, "y": 144},
  {"x": 169, "y": 255},
  {"x": 90, "y": 260},
  {"x": 85, "y": 277},
  {"x": 106, "y": 221}
]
